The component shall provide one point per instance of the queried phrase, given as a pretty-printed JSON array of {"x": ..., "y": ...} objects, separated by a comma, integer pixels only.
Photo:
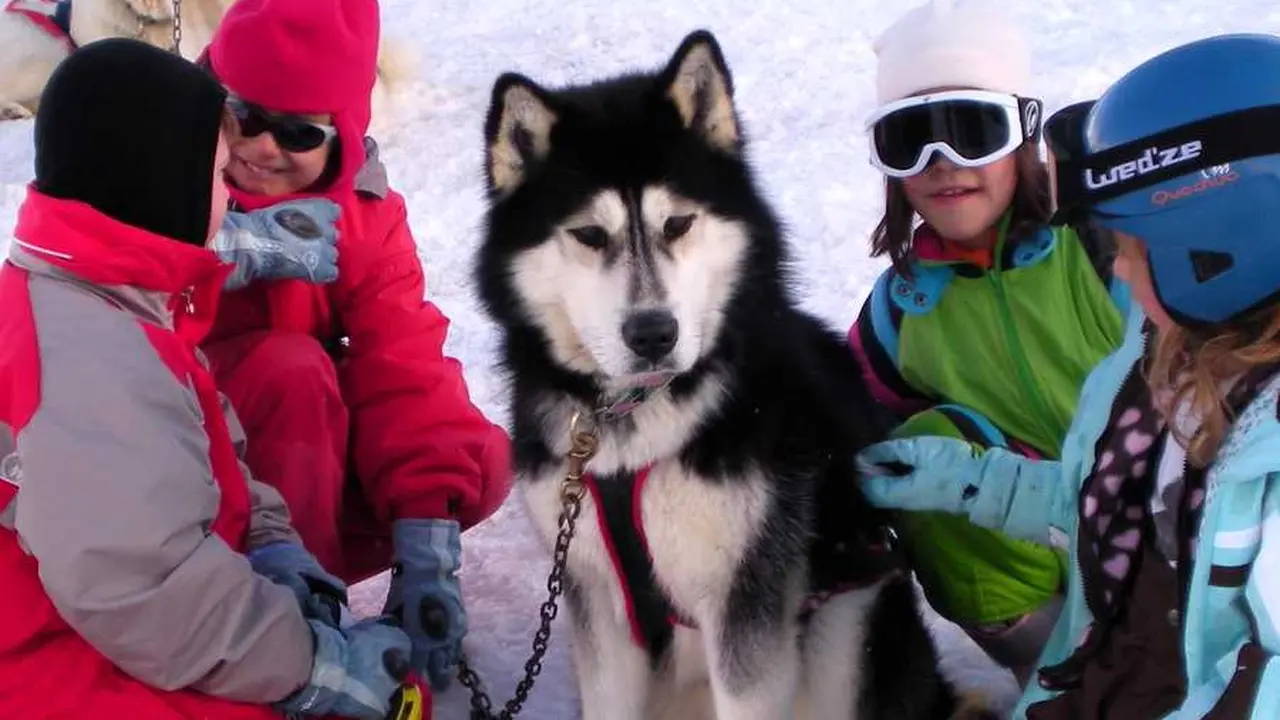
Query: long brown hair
[
  {"x": 1189, "y": 368},
  {"x": 1031, "y": 209}
]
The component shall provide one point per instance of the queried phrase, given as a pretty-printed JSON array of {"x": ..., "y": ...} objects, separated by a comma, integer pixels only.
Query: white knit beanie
[{"x": 952, "y": 43}]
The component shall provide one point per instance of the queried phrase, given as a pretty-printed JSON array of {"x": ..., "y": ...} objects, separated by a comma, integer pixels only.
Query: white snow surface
[{"x": 804, "y": 77}]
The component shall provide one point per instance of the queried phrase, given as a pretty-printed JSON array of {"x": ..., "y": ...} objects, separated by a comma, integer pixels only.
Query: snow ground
[{"x": 803, "y": 71}]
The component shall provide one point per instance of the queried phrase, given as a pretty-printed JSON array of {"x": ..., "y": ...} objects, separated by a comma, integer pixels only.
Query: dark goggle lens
[
  {"x": 1064, "y": 134},
  {"x": 1064, "y": 130},
  {"x": 291, "y": 134},
  {"x": 973, "y": 129}
]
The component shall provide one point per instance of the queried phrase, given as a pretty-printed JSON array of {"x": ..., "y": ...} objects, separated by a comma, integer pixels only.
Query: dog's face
[
  {"x": 632, "y": 282},
  {"x": 617, "y": 222}
]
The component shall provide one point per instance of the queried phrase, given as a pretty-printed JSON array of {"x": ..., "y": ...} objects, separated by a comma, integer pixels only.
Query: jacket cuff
[
  {"x": 1018, "y": 496},
  {"x": 432, "y": 506}
]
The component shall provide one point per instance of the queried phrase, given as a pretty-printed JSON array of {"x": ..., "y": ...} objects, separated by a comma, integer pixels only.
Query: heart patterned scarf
[{"x": 1114, "y": 510}]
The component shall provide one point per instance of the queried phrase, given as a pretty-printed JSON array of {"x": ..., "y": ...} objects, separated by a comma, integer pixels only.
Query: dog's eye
[
  {"x": 676, "y": 226},
  {"x": 593, "y": 236}
]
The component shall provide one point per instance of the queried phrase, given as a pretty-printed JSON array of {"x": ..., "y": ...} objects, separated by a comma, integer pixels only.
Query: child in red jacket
[
  {"x": 140, "y": 564},
  {"x": 352, "y": 410}
]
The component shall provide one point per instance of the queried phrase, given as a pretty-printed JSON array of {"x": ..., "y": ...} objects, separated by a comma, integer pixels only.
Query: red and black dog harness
[
  {"x": 843, "y": 558},
  {"x": 51, "y": 16}
]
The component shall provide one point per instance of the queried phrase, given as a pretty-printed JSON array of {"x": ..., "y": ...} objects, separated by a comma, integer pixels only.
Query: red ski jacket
[
  {"x": 420, "y": 447},
  {"x": 124, "y": 509}
]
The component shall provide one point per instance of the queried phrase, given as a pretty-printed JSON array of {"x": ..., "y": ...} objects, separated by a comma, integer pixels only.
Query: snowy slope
[{"x": 803, "y": 72}]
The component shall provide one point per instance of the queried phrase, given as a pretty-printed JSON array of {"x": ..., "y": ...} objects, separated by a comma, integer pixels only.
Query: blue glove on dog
[
  {"x": 995, "y": 488},
  {"x": 355, "y": 672},
  {"x": 426, "y": 596},
  {"x": 292, "y": 240},
  {"x": 319, "y": 594}
]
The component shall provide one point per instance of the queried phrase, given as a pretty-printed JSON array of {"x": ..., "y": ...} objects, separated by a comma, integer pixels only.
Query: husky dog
[
  {"x": 724, "y": 564},
  {"x": 35, "y": 35}
]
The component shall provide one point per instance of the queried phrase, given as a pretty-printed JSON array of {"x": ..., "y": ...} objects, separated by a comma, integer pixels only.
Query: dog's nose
[{"x": 651, "y": 334}]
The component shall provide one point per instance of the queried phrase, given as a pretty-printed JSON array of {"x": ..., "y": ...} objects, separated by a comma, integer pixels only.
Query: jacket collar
[
  {"x": 165, "y": 281},
  {"x": 1249, "y": 450},
  {"x": 931, "y": 248}
]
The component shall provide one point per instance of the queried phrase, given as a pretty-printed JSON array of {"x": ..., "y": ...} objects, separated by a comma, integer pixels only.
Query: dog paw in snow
[
  {"x": 13, "y": 111},
  {"x": 153, "y": 10}
]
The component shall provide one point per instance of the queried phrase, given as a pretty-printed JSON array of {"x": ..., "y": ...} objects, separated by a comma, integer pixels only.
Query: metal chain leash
[
  {"x": 572, "y": 490},
  {"x": 177, "y": 27}
]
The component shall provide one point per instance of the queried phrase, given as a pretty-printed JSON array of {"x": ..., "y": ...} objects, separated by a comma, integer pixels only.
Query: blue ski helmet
[{"x": 1183, "y": 153}]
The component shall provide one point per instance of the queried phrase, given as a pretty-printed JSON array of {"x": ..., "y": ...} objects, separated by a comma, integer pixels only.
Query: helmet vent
[{"x": 1209, "y": 265}]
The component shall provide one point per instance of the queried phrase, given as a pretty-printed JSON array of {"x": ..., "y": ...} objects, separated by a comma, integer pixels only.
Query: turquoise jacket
[{"x": 1241, "y": 525}]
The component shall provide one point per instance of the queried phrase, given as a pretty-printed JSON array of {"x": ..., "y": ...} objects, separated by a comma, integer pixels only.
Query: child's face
[
  {"x": 261, "y": 167},
  {"x": 963, "y": 204},
  {"x": 1131, "y": 266},
  {"x": 218, "y": 202}
]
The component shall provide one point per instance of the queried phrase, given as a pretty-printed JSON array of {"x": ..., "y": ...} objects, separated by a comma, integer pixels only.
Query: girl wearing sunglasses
[
  {"x": 990, "y": 317},
  {"x": 289, "y": 148},
  {"x": 352, "y": 409}
]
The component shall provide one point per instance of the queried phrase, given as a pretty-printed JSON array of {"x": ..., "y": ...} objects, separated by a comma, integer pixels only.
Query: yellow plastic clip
[{"x": 407, "y": 703}]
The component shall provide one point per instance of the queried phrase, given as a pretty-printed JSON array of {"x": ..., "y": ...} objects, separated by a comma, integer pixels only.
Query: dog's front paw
[
  {"x": 13, "y": 111},
  {"x": 152, "y": 10}
]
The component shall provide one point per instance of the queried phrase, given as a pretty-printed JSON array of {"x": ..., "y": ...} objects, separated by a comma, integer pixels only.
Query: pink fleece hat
[{"x": 305, "y": 56}]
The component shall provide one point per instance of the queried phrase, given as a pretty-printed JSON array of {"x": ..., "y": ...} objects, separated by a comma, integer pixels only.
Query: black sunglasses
[{"x": 291, "y": 133}]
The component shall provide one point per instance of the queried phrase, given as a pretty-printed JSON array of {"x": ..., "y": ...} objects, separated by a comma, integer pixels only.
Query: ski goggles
[
  {"x": 291, "y": 133},
  {"x": 970, "y": 128}
]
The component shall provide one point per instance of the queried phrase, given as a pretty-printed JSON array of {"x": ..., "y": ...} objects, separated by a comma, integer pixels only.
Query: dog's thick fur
[
  {"x": 632, "y": 198},
  {"x": 28, "y": 54}
]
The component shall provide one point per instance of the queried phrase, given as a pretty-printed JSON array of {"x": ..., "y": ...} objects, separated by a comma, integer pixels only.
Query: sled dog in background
[
  {"x": 35, "y": 35},
  {"x": 725, "y": 564}
]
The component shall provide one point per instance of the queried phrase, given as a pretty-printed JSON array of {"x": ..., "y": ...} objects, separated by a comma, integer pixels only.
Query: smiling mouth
[
  {"x": 953, "y": 193},
  {"x": 257, "y": 170}
]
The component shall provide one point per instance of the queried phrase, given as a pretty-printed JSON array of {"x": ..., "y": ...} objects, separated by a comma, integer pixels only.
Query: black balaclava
[{"x": 131, "y": 130}]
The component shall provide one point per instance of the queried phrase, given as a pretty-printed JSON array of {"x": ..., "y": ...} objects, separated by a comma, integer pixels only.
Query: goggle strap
[
  {"x": 1148, "y": 161},
  {"x": 1030, "y": 110}
]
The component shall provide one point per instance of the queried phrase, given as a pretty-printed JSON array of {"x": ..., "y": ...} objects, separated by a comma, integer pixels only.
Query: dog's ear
[
  {"x": 699, "y": 84},
  {"x": 517, "y": 131}
]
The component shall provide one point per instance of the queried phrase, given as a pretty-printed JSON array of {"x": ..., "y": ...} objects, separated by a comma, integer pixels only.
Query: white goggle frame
[{"x": 1021, "y": 114}]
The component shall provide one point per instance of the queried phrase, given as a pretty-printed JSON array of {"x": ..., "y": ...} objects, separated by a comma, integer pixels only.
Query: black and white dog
[{"x": 725, "y": 565}]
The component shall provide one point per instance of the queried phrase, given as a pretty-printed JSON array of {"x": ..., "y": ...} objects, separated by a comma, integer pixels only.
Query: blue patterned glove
[
  {"x": 995, "y": 488},
  {"x": 426, "y": 596},
  {"x": 292, "y": 240},
  {"x": 355, "y": 671},
  {"x": 319, "y": 594}
]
